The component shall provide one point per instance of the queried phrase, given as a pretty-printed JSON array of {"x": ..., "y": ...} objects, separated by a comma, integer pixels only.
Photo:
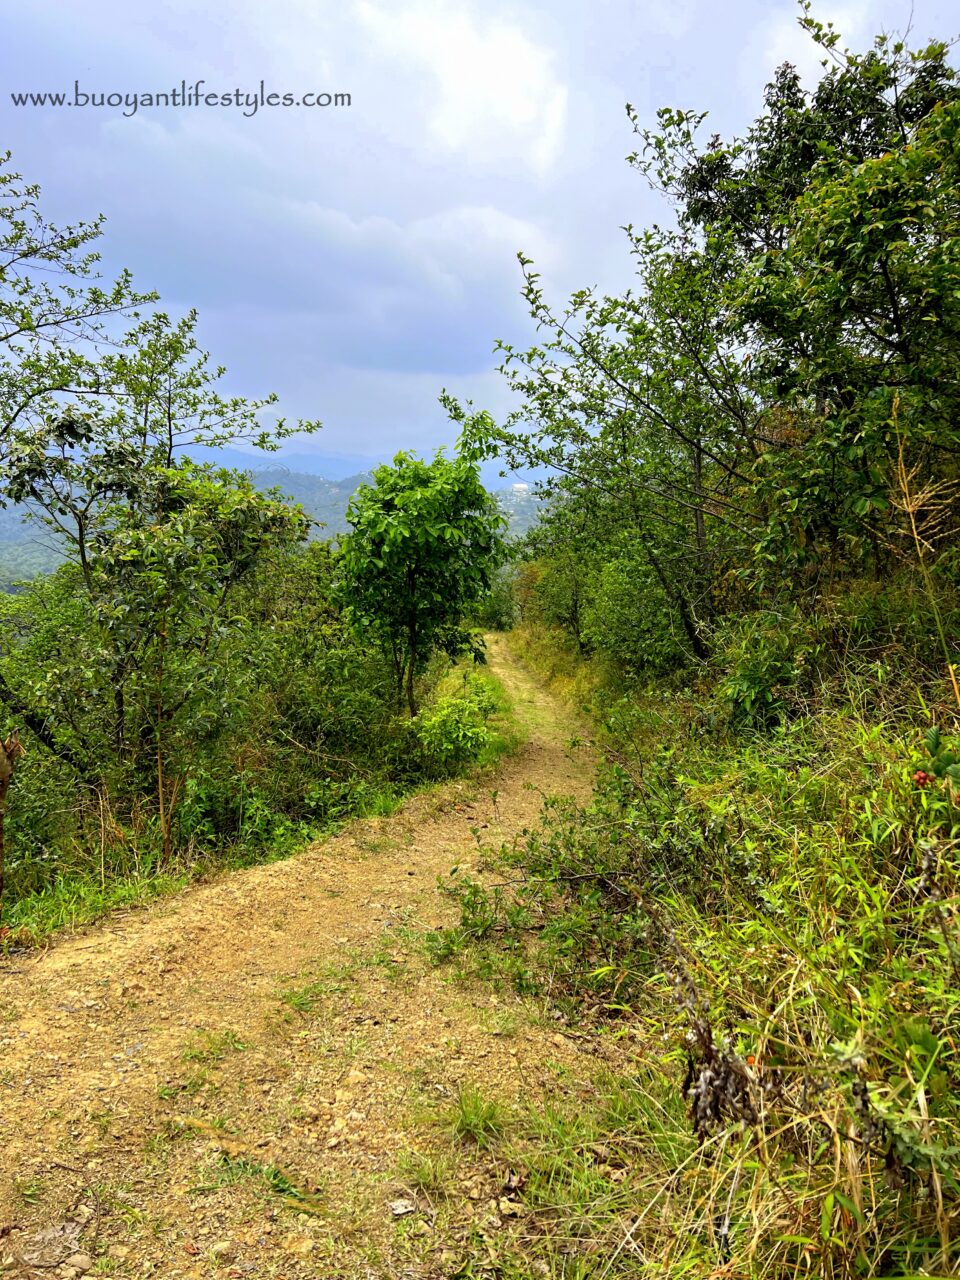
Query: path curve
[{"x": 141, "y": 1059}]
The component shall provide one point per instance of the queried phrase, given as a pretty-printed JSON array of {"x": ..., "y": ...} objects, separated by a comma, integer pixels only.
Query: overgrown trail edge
[{"x": 225, "y": 1082}]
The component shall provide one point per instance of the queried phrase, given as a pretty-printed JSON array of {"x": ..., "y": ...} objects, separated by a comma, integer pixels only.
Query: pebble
[{"x": 79, "y": 1262}]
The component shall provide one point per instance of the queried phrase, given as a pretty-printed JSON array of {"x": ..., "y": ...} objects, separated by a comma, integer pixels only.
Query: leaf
[{"x": 826, "y": 1216}]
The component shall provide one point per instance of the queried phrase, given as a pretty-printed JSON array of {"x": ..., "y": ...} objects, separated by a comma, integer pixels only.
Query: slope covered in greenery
[
  {"x": 747, "y": 568},
  {"x": 26, "y": 551},
  {"x": 745, "y": 575},
  {"x": 195, "y": 684}
]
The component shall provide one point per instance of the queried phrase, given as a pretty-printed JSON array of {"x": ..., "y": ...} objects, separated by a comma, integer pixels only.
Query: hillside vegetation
[
  {"x": 746, "y": 578},
  {"x": 25, "y": 552},
  {"x": 195, "y": 685},
  {"x": 747, "y": 569}
]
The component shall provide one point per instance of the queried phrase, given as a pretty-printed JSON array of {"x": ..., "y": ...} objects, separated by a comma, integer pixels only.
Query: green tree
[
  {"x": 54, "y": 310},
  {"x": 772, "y": 404},
  {"x": 857, "y": 325},
  {"x": 864, "y": 105},
  {"x": 426, "y": 540},
  {"x": 99, "y": 395}
]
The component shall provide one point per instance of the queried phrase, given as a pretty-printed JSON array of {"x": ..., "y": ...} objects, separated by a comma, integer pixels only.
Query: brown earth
[{"x": 226, "y": 1083}]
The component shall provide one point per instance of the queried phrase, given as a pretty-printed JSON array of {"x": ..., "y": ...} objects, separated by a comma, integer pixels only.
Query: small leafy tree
[
  {"x": 427, "y": 538},
  {"x": 56, "y": 314}
]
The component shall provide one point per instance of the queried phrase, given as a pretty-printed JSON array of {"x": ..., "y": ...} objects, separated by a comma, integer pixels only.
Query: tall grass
[{"x": 776, "y": 916}]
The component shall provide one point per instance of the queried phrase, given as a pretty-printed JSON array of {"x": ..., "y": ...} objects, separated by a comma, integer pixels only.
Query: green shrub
[
  {"x": 765, "y": 655},
  {"x": 777, "y": 916},
  {"x": 498, "y": 611},
  {"x": 451, "y": 733},
  {"x": 629, "y": 619}
]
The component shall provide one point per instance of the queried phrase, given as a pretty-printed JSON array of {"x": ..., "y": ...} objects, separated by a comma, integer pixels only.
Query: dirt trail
[{"x": 224, "y": 1082}]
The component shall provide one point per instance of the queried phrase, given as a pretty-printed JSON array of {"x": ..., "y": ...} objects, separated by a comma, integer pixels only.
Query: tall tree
[
  {"x": 99, "y": 395},
  {"x": 426, "y": 540}
]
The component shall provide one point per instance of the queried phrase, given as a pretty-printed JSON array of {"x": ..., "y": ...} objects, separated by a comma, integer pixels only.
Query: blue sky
[{"x": 357, "y": 260}]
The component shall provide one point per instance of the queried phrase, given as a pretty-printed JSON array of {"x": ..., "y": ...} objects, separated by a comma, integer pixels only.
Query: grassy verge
[
  {"x": 555, "y": 661},
  {"x": 775, "y": 918}
]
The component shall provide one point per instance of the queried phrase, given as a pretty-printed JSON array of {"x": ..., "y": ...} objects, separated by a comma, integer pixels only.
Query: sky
[{"x": 358, "y": 259}]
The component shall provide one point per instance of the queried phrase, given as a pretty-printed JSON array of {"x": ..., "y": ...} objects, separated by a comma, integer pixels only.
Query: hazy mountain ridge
[{"x": 27, "y": 549}]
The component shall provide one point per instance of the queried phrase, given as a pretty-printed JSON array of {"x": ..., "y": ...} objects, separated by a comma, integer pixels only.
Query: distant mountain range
[{"x": 27, "y": 549}]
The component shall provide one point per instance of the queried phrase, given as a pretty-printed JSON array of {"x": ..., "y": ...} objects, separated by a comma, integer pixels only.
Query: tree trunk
[
  {"x": 700, "y": 533},
  {"x": 396, "y": 657},
  {"x": 412, "y": 660},
  {"x": 679, "y": 602},
  {"x": 10, "y": 753}
]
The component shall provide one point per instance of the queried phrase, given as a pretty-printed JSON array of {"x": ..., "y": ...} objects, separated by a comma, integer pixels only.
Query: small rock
[
  {"x": 509, "y": 1208},
  {"x": 299, "y": 1246},
  {"x": 80, "y": 1262},
  {"x": 224, "y": 1251},
  {"x": 402, "y": 1208}
]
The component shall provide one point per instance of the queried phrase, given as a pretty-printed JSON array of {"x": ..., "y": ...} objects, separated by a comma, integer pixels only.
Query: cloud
[
  {"x": 358, "y": 260},
  {"x": 496, "y": 93},
  {"x": 781, "y": 39},
  {"x": 333, "y": 306}
]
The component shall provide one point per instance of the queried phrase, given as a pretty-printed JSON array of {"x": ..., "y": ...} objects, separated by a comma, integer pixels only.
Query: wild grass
[
  {"x": 555, "y": 660},
  {"x": 231, "y": 1169},
  {"x": 476, "y": 1119},
  {"x": 430, "y": 1173},
  {"x": 777, "y": 914},
  {"x": 210, "y": 1048}
]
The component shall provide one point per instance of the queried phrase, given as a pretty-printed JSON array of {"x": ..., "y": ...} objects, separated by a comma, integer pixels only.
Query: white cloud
[
  {"x": 496, "y": 92},
  {"x": 781, "y": 39},
  {"x": 449, "y": 251}
]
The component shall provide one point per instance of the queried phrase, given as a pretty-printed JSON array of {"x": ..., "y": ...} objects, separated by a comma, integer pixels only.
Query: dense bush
[
  {"x": 452, "y": 732},
  {"x": 303, "y": 732},
  {"x": 780, "y": 914}
]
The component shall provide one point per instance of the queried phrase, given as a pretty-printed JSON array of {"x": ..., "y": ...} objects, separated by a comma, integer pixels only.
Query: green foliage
[
  {"x": 779, "y": 914},
  {"x": 190, "y": 687},
  {"x": 426, "y": 541},
  {"x": 466, "y": 724},
  {"x": 772, "y": 406},
  {"x": 431, "y": 1174},
  {"x": 497, "y": 611},
  {"x": 765, "y": 668},
  {"x": 452, "y": 732},
  {"x": 300, "y": 733},
  {"x": 859, "y": 308},
  {"x": 125, "y": 669}
]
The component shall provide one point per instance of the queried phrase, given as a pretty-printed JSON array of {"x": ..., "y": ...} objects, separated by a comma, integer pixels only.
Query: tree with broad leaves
[
  {"x": 426, "y": 540},
  {"x": 100, "y": 394}
]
